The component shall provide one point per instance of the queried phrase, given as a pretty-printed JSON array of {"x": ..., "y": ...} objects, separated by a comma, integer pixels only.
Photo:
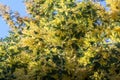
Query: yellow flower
[
  {"x": 13, "y": 48},
  {"x": 117, "y": 29},
  {"x": 54, "y": 50},
  {"x": 84, "y": 61},
  {"x": 32, "y": 65}
]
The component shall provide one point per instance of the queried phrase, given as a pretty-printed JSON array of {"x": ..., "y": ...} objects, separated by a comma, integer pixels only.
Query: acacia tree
[{"x": 61, "y": 40}]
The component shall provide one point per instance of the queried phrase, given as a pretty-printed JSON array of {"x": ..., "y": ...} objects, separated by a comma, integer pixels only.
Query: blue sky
[{"x": 15, "y": 5}]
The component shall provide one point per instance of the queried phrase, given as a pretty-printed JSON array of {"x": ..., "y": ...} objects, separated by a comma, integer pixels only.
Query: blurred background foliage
[{"x": 62, "y": 40}]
